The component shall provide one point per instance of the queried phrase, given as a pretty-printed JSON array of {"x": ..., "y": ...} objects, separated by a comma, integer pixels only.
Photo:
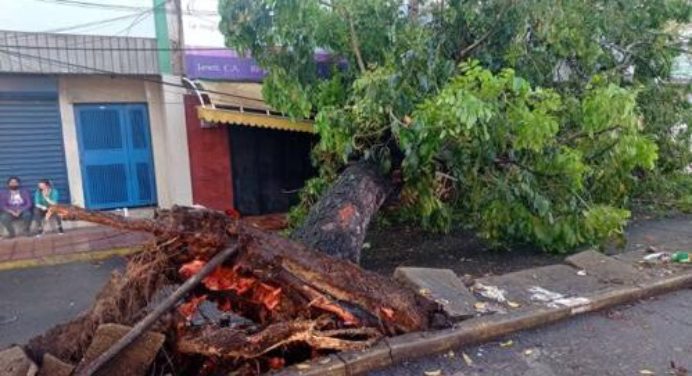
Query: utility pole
[{"x": 163, "y": 42}]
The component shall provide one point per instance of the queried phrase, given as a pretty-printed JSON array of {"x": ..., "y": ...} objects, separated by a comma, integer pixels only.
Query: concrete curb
[
  {"x": 477, "y": 330},
  {"x": 67, "y": 258}
]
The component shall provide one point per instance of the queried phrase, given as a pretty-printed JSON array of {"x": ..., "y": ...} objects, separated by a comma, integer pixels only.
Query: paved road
[
  {"x": 621, "y": 341},
  {"x": 42, "y": 297}
]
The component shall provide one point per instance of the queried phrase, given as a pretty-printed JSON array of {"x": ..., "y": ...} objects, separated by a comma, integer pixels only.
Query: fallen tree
[{"x": 282, "y": 300}]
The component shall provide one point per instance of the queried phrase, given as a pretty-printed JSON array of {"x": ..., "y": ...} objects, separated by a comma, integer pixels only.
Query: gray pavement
[
  {"x": 33, "y": 300},
  {"x": 627, "y": 340}
]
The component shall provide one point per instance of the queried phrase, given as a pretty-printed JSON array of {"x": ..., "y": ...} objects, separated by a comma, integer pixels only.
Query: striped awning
[
  {"x": 242, "y": 104},
  {"x": 251, "y": 119}
]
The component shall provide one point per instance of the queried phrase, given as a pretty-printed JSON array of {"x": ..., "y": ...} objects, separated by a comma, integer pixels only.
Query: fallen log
[
  {"x": 291, "y": 293},
  {"x": 338, "y": 222},
  {"x": 88, "y": 369}
]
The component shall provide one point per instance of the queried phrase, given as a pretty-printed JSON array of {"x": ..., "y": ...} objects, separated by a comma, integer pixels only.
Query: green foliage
[
  {"x": 517, "y": 116},
  {"x": 528, "y": 169}
]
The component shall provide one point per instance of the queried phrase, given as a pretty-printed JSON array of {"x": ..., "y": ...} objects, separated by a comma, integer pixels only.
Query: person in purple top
[{"x": 15, "y": 204}]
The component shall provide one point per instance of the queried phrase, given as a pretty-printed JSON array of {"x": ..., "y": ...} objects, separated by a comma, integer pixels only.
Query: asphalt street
[
  {"x": 647, "y": 338},
  {"x": 33, "y": 300}
]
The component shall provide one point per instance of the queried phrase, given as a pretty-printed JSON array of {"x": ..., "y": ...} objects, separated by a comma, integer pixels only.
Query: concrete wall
[
  {"x": 172, "y": 171},
  {"x": 210, "y": 161}
]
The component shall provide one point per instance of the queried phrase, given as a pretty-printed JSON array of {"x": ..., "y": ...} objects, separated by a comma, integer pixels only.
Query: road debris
[
  {"x": 436, "y": 372},
  {"x": 467, "y": 359},
  {"x": 295, "y": 303},
  {"x": 555, "y": 299},
  {"x": 508, "y": 343},
  {"x": 681, "y": 257},
  {"x": 490, "y": 292}
]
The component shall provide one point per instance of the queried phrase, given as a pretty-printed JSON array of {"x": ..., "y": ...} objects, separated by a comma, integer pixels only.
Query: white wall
[{"x": 171, "y": 157}]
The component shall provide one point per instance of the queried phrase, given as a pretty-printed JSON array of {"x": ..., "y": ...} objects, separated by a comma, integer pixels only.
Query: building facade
[{"x": 96, "y": 116}]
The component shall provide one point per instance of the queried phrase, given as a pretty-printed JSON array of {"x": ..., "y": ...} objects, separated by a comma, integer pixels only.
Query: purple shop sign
[
  {"x": 222, "y": 65},
  {"x": 228, "y": 65}
]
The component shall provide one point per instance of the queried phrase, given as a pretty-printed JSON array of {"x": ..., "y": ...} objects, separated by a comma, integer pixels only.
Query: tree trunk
[{"x": 337, "y": 224}]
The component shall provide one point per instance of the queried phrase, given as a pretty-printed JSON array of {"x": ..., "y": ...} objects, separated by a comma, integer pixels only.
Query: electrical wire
[
  {"x": 93, "y": 5},
  {"x": 133, "y": 49},
  {"x": 112, "y": 73}
]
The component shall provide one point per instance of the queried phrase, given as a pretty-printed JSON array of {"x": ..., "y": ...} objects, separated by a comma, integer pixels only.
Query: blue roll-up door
[
  {"x": 116, "y": 156},
  {"x": 31, "y": 141}
]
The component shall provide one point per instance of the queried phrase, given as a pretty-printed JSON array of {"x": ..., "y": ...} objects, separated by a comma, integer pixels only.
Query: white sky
[{"x": 49, "y": 15}]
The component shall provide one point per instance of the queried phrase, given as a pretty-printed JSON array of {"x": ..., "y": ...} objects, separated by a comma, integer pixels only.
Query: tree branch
[
  {"x": 493, "y": 29},
  {"x": 355, "y": 42},
  {"x": 585, "y": 134}
]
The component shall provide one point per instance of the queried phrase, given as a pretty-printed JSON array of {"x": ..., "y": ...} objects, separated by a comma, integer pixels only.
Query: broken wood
[
  {"x": 234, "y": 343},
  {"x": 146, "y": 323},
  {"x": 292, "y": 295}
]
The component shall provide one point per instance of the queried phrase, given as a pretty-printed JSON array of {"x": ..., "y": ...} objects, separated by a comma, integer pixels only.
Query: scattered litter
[
  {"x": 366, "y": 245},
  {"x": 528, "y": 352},
  {"x": 508, "y": 343},
  {"x": 681, "y": 257},
  {"x": 581, "y": 273},
  {"x": 569, "y": 302},
  {"x": 542, "y": 295},
  {"x": 450, "y": 354},
  {"x": 488, "y": 307},
  {"x": 303, "y": 366},
  {"x": 325, "y": 360},
  {"x": 646, "y": 372},
  {"x": 424, "y": 292},
  {"x": 513, "y": 304},
  {"x": 467, "y": 359},
  {"x": 491, "y": 292},
  {"x": 658, "y": 256},
  {"x": 436, "y": 372},
  {"x": 555, "y": 299},
  {"x": 441, "y": 301}
]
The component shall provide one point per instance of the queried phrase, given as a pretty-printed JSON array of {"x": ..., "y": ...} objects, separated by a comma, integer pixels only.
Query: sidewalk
[{"x": 88, "y": 243}]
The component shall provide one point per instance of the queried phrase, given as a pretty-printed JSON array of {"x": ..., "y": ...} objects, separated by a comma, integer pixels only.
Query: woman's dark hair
[
  {"x": 13, "y": 178},
  {"x": 46, "y": 182}
]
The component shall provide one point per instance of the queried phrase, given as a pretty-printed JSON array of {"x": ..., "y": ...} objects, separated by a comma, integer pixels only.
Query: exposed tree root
[{"x": 291, "y": 293}]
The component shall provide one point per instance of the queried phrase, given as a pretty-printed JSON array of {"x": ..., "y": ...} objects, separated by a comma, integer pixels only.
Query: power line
[
  {"x": 112, "y": 73},
  {"x": 86, "y": 4},
  {"x": 132, "y": 49},
  {"x": 137, "y": 19}
]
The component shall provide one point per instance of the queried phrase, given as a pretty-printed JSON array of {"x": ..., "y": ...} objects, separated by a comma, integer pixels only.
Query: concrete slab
[
  {"x": 14, "y": 362},
  {"x": 560, "y": 279},
  {"x": 53, "y": 366},
  {"x": 442, "y": 286},
  {"x": 606, "y": 269},
  {"x": 134, "y": 360}
]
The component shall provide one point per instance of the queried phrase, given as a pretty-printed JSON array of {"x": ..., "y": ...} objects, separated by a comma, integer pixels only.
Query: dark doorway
[{"x": 269, "y": 167}]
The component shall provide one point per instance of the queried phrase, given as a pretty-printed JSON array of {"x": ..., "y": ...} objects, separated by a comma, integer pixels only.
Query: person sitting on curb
[
  {"x": 45, "y": 197},
  {"x": 15, "y": 204}
]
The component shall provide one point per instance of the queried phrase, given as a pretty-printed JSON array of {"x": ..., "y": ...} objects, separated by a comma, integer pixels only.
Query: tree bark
[{"x": 338, "y": 223}]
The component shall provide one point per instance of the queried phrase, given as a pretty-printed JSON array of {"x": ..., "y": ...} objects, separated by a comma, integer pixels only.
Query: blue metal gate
[{"x": 115, "y": 154}]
